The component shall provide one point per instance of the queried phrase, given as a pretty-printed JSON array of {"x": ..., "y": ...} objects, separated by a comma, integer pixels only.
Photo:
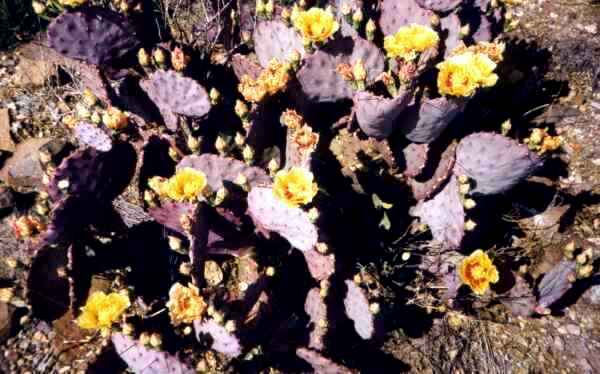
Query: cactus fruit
[
  {"x": 424, "y": 121},
  {"x": 92, "y": 136},
  {"x": 441, "y": 6},
  {"x": 319, "y": 265},
  {"x": 316, "y": 309},
  {"x": 275, "y": 40},
  {"x": 445, "y": 215},
  {"x": 423, "y": 190},
  {"x": 223, "y": 341},
  {"x": 376, "y": 115},
  {"x": 415, "y": 159},
  {"x": 271, "y": 214},
  {"x": 321, "y": 364},
  {"x": 175, "y": 94},
  {"x": 495, "y": 162},
  {"x": 318, "y": 76},
  {"x": 356, "y": 302},
  {"x": 555, "y": 283},
  {"x": 95, "y": 35},
  {"x": 144, "y": 360},
  {"x": 219, "y": 169}
]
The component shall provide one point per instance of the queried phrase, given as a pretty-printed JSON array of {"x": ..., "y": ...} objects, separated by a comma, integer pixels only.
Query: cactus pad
[
  {"x": 445, "y": 215},
  {"x": 356, "y": 304},
  {"x": 92, "y": 136},
  {"x": 398, "y": 13},
  {"x": 219, "y": 169},
  {"x": 169, "y": 214},
  {"x": 271, "y": 214},
  {"x": 274, "y": 39},
  {"x": 316, "y": 309},
  {"x": 222, "y": 340},
  {"x": 174, "y": 94},
  {"x": 495, "y": 162},
  {"x": 321, "y": 364},
  {"x": 423, "y": 190},
  {"x": 245, "y": 65},
  {"x": 95, "y": 35},
  {"x": 320, "y": 266},
  {"x": 424, "y": 121},
  {"x": 451, "y": 25},
  {"x": 145, "y": 360},
  {"x": 91, "y": 174},
  {"x": 555, "y": 284},
  {"x": 376, "y": 115},
  {"x": 520, "y": 299},
  {"x": 442, "y": 6},
  {"x": 318, "y": 76},
  {"x": 415, "y": 158}
]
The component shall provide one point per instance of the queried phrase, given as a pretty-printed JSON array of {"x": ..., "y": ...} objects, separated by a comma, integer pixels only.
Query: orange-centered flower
[
  {"x": 186, "y": 185},
  {"x": 477, "y": 271},
  {"x": 463, "y": 74},
  {"x": 102, "y": 310},
  {"x": 295, "y": 186},
  {"x": 272, "y": 79},
  {"x": 185, "y": 304},
  {"x": 315, "y": 25}
]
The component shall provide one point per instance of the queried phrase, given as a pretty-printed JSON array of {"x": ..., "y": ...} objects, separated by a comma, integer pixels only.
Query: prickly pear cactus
[
  {"x": 95, "y": 35},
  {"x": 367, "y": 322},
  {"x": 144, "y": 360},
  {"x": 219, "y": 169},
  {"x": 271, "y": 214},
  {"x": 175, "y": 94},
  {"x": 494, "y": 162},
  {"x": 318, "y": 76},
  {"x": 276, "y": 40},
  {"x": 89, "y": 134},
  {"x": 316, "y": 309},
  {"x": 321, "y": 364},
  {"x": 425, "y": 120},
  {"x": 223, "y": 341},
  {"x": 376, "y": 115}
]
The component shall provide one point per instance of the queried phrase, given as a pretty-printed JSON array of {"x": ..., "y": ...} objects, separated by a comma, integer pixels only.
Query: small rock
[
  {"x": 573, "y": 329},
  {"x": 6, "y": 320}
]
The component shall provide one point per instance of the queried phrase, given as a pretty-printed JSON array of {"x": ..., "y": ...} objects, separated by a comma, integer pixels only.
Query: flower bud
[
  {"x": 469, "y": 204},
  {"x": 269, "y": 8},
  {"x": 220, "y": 144},
  {"x": 143, "y": 57},
  {"x": 82, "y": 111},
  {"x": 270, "y": 271},
  {"x": 241, "y": 109},
  {"x": 248, "y": 154},
  {"x": 220, "y": 196},
  {"x": 96, "y": 118},
  {"x": 357, "y": 18},
  {"x": 370, "y": 30},
  {"x": 174, "y": 243},
  {"x": 260, "y": 8},
  {"x": 470, "y": 225},
  {"x": 374, "y": 308},
  {"x": 239, "y": 139},
  {"x": 38, "y": 8},
  {"x": 155, "y": 340},
  {"x": 144, "y": 338},
  {"x": 159, "y": 57},
  {"x": 215, "y": 96},
  {"x": 193, "y": 143},
  {"x": 230, "y": 326},
  {"x": 89, "y": 98},
  {"x": 179, "y": 60},
  {"x": 285, "y": 15},
  {"x": 185, "y": 268}
]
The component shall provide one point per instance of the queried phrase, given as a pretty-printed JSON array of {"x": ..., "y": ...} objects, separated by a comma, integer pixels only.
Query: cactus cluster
[{"x": 246, "y": 167}]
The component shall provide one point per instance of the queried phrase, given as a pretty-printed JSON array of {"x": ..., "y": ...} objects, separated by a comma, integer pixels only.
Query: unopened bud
[
  {"x": 505, "y": 127},
  {"x": 241, "y": 109},
  {"x": 322, "y": 247},
  {"x": 186, "y": 222},
  {"x": 143, "y": 57},
  {"x": 405, "y": 256},
  {"x": 127, "y": 329},
  {"x": 464, "y": 188},
  {"x": 187, "y": 330},
  {"x": 96, "y": 118},
  {"x": 469, "y": 204},
  {"x": 221, "y": 195},
  {"x": 241, "y": 181},
  {"x": 174, "y": 243},
  {"x": 38, "y": 7},
  {"x": 193, "y": 143},
  {"x": 273, "y": 166},
  {"x": 270, "y": 271},
  {"x": 239, "y": 139},
  {"x": 322, "y": 323},
  {"x": 173, "y": 154},
  {"x": 155, "y": 340},
  {"x": 179, "y": 59},
  {"x": 370, "y": 30},
  {"x": 220, "y": 144},
  {"x": 585, "y": 271},
  {"x": 357, "y": 278},
  {"x": 260, "y": 8},
  {"x": 358, "y": 71},
  {"x": 243, "y": 286},
  {"x": 374, "y": 308},
  {"x": 581, "y": 258},
  {"x": 285, "y": 15},
  {"x": 269, "y": 8},
  {"x": 463, "y": 179},
  {"x": 159, "y": 57},
  {"x": 185, "y": 268},
  {"x": 63, "y": 184},
  {"x": 248, "y": 154},
  {"x": 230, "y": 326},
  {"x": 357, "y": 18},
  {"x": 144, "y": 338},
  {"x": 570, "y": 247},
  {"x": 215, "y": 96},
  {"x": 464, "y": 31},
  {"x": 434, "y": 20},
  {"x": 313, "y": 214},
  {"x": 470, "y": 225},
  {"x": 346, "y": 9}
]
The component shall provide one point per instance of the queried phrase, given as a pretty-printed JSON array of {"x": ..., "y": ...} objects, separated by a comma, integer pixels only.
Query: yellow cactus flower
[
  {"x": 185, "y": 304},
  {"x": 410, "y": 40},
  {"x": 102, "y": 310},
  {"x": 294, "y": 186},
  {"x": 72, "y": 3},
  {"x": 186, "y": 184},
  {"x": 477, "y": 271},
  {"x": 305, "y": 139},
  {"x": 271, "y": 80},
  {"x": 291, "y": 119},
  {"x": 115, "y": 119},
  {"x": 252, "y": 90},
  {"x": 315, "y": 25},
  {"x": 463, "y": 74}
]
